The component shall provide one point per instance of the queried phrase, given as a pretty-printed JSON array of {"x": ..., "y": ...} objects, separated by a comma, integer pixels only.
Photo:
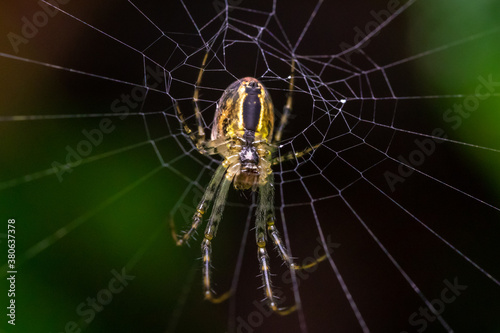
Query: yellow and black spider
[{"x": 242, "y": 134}]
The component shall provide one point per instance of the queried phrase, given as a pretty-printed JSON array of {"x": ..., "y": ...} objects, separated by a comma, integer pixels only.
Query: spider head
[{"x": 247, "y": 178}]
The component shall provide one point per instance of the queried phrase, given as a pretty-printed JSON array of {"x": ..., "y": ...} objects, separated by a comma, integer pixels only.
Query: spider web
[{"x": 403, "y": 190}]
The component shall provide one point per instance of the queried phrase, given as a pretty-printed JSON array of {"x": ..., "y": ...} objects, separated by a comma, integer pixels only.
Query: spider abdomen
[{"x": 244, "y": 106}]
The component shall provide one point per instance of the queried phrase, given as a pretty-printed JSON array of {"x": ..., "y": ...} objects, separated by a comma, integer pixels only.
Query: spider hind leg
[
  {"x": 287, "y": 109},
  {"x": 197, "y": 137}
]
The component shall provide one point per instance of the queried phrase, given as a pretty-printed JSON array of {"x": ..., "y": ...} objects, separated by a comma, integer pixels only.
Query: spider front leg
[
  {"x": 206, "y": 245},
  {"x": 220, "y": 185},
  {"x": 283, "y": 252},
  {"x": 265, "y": 206},
  {"x": 201, "y": 209},
  {"x": 265, "y": 220}
]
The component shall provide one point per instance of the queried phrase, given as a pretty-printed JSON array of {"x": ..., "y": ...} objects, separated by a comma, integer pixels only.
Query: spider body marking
[{"x": 242, "y": 133}]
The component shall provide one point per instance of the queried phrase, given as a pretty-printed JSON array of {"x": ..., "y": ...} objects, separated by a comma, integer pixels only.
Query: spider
[{"x": 242, "y": 134}]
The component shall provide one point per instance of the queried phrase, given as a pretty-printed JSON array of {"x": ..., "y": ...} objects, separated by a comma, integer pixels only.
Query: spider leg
[
  {"x": 197, "y": 140},
  {"x": 201, "y": 131},
  {"x": 206, "y": 245},
  {"x": 201, "y": 209},
  {"x": 283, "y": 252},
  {"x": 293, "y": 155},
  {"x": 287, "y": 109},
  {"x": 199, "y": 137},
  {"x": 265, "y": 206}
]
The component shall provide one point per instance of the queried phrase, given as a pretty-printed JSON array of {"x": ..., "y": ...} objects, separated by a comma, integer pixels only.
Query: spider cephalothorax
[{"x": 242, "y": 133}]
